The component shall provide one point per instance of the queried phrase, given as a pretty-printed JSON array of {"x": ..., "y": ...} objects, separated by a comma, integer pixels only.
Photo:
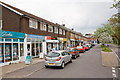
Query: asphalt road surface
[{"x": 88, "y": 65}]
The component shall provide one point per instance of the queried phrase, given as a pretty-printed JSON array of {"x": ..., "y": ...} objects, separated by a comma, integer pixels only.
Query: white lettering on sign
[{"x": 6, "y": 34}]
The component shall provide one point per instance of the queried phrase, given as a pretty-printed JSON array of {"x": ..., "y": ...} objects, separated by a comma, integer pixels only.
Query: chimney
[
  {"x": 64, "y": 25},
  {"x": 73, "y": 29}
]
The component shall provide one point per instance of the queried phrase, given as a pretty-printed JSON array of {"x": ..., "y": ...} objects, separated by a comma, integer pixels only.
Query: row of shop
[{"x": 15, "y": 46}]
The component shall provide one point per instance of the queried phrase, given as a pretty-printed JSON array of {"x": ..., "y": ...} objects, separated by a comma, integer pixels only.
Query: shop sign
[
  {"x": 64, "y": 39},
  {"x": 9, "y": 34},
  {"x": 28, "y": 59},
  {"x": 72, "y": 39},
  {"x": 52, "y": 41},
  {"x": 48, "y": 37},
  {"x": 60, "y": 39},
  {"x": 35, "y": 36}
]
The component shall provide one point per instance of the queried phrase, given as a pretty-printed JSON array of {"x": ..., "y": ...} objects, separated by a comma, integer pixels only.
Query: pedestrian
[
  {"x": 53, "y": 49},
  {"x": 41, "y": 55}
]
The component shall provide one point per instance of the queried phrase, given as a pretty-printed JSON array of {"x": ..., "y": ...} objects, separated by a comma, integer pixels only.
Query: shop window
[
  {"x": 60, "y": 31},
  {"x": 22, "y": 49},
  {"x": 43, "y": 26},
  {"x": 63, "y": 32},
  {"x": 0, "y": 24},
  {"x": 37, "y": 49},
  {"x": 15, "y": 40},
  {"x": 40, "y": 47},
  {"x": 8, "y": 55},
  {"x": 21, "y": 40},
  {"x": 33, "y": 49},
  {"x": 1, "y": 57},
  {"x": 50, "y": 28},
  {"x": 1, "y": 39},
  {"x": 7, "y": 40},
  {"x": 15, "y": 51},
  {"x": 56, "y": 29},
  {"x": 33, "y": 24}
]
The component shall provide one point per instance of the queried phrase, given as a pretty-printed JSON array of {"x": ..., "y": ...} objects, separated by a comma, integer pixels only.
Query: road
[{"x": 88, "y": 65}]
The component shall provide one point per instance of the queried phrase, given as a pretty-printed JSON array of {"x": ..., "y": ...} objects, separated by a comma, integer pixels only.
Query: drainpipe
[{"x": 20, "y": 23}]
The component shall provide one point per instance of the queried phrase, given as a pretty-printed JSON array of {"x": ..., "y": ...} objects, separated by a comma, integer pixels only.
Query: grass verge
[{"x": 105, "y": 48}]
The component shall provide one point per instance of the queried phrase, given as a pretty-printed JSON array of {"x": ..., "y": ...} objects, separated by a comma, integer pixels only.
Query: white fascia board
[{"x": 11, "y": 9}]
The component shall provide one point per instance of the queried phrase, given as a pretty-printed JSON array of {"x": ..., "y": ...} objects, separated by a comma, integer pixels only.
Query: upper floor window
[
  {"x": 33, "y": 23},
  {"x": 72, "y": 35},
  {"x": 0, "y": 24},
  {"x": 50, "y": 28},
  {"x": 75, "y": 36},
  {"x": 60, "y": 31},
  {"x": 42, "y": 26},
  {"x": 55, "y": 29},
  {"x": 63, "y": 32}
]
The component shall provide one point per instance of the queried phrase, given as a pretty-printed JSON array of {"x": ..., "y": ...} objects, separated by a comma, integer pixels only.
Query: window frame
[
  {"x": 56, "y": 28},
  {"x": 44, "y": 26},
  {"x": 31, "y": 21},
  {"x": 61, "y": 31},
  {"x": 50, "y": 26}
]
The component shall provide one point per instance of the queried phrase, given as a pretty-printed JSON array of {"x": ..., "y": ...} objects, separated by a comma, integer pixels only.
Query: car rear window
[{"x": 53, "y": 54}]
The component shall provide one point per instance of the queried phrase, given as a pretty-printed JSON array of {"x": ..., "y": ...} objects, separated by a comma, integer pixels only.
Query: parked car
[
  {"x": 57, "y": 58},
  {"x": 80, "y": 49},
  {"x": 86, "y": 47},
  {"x": 74, "y": 52},
  {"x": 89, "y": 45}
]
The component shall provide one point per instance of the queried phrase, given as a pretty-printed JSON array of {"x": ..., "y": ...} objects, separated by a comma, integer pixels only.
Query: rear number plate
[{"x": 51, "y": 64}]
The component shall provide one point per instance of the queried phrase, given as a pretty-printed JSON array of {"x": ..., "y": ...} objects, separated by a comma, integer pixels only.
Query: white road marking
[
  {"x": 114, "y": 75},
  {"x": 113, "y": 68},
  {"x": 113, "y": 71}
]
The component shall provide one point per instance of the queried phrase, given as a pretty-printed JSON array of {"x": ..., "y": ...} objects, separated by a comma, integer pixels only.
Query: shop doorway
[{"x": 29, "y": 48}]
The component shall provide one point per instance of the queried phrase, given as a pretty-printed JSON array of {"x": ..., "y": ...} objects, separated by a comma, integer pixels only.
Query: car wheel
[
  {"x": 74, "y": 57},
  {"x": 63, "y": 65},
  {"x": 71, "y": 60},
  {"x": 46, "y": 66}
]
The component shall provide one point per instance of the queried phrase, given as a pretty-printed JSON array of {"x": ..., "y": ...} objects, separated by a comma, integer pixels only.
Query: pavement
[
  {"x": 88, "y": 65},
  {"x": 116, "y": 51},
  {"x": 19, "y": 66}
]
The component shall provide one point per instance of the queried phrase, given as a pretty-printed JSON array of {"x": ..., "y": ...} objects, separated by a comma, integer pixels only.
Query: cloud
[{"x": 84, "y": 15}]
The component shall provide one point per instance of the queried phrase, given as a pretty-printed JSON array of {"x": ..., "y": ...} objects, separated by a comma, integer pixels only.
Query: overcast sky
[{"x": 84, "y": 16}]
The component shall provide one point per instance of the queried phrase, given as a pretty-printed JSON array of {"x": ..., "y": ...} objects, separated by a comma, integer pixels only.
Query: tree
[
  {"x": 115, "y": 22},
  {"x": 104, "y": 34}
]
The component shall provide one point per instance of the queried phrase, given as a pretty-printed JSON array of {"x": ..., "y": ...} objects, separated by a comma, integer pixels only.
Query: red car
[
  {"x": 80, "y": 49},
  {"x": 86, "y": 47},
  {"x": 74, "y": 52}
]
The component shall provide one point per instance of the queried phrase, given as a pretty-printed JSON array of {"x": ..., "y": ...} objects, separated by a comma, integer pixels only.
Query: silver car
[{"x": 58, "y": 58}]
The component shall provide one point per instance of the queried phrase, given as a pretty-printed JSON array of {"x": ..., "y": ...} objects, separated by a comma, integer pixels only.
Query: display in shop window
[
  {"x": 7, "y": 52},
  {"x": 15, "y": 51},
  {"x": 1, "y": 58}
]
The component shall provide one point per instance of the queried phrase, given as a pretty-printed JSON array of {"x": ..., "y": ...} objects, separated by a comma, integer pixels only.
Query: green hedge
[{"x": 105, "y": 48}]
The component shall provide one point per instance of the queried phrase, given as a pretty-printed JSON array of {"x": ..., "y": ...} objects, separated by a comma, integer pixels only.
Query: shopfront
[
  {"x": 72, "y": 41},
  {"x": 11, "y": 46},
  {"x": 35, "y": 45},
  {"x": 51, "y": 42}
]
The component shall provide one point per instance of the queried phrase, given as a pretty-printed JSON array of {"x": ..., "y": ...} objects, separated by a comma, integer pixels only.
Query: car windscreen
[
  {"x": 79, "y": 47},
  {"x": 53, "y": 54},
  {"x": 68, "y": 50}
]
